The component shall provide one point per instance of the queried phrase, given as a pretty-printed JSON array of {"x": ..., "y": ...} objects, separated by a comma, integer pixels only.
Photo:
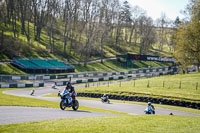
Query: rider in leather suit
[{"x": 71, "y": 89}]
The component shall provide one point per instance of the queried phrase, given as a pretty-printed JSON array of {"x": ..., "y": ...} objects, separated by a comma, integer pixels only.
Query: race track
[
  {"x": 9, "y": 114},
  {"x": 19, "y": 114}
]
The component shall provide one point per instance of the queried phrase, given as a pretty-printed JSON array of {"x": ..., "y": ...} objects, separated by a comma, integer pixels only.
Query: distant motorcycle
[
  {"x": 105, "y": 99},
  {"x": 67, "y": 101}
]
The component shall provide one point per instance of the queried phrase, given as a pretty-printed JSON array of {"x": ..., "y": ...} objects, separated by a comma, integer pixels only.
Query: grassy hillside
[
  {"x": 113, "y": 65},
  {"x": 19, "y": 47},
  {"x": 10, "y": 69}
]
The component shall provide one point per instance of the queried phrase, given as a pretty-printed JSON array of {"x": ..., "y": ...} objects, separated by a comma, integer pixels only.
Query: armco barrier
[
  {"x": 116, "y": 77},
  {"x": 46, "y": 77},
  {"x": 144, "y": 99},
  {"x": 21, "y": 85}
]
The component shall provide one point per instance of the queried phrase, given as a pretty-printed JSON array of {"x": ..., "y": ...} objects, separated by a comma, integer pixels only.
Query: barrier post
[
  {"x": 197, "y": 86},
  {"x": 163, "y": 84},
  {"x": 148, "y": 84}
]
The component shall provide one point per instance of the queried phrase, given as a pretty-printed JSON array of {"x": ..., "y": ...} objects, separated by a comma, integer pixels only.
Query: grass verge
[{"x": 112, "y": 124}]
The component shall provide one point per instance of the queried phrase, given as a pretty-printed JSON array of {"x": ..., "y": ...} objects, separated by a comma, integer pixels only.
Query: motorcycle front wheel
[
  {"x": 102, "y": 100},
  {"x": 62, "y": 105},
  {"x": 75, "y": 105}
]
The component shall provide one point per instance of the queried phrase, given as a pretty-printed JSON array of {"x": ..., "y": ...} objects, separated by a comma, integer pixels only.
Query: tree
[
  {"x": 41, "y": 12},
  {"x": 187, "y": 38},
  {"x": 147, "y": 34},
  {"x": 162, "y": 24},
  {"x": 136, "y": 13},
  {"x": 177, "y": 22}
]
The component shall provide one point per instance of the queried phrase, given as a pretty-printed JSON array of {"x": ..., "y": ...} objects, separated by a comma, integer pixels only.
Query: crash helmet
[
  {"x": 149, "y": 103},
  {"x": 68, "y": 84}
]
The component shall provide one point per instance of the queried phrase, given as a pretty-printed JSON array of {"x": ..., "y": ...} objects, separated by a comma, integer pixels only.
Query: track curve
[{"x": 120, "y": 107}]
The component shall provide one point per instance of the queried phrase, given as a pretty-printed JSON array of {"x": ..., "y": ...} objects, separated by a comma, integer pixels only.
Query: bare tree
[
  {"x": 53, "y": 11},
  {"x": 162, "y": 24},
  {"x": 41, "y": 12},
  {"x": 147, "y": 34},
  {"x": 136, "y": 13}
]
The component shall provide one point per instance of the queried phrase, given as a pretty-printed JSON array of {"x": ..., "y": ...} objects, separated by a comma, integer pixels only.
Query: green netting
[
  {"x": 42, "y": 63},
  {"x": 37, "y": 63},
  {"x": 26, "y": 63},
  {"x": 58, "y": 64}
]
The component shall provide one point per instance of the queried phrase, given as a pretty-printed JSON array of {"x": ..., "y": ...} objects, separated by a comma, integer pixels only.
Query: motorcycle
[
  {"x": 105, "y": 100},
  {"x": 149, "y": 110},
  {"x": 67, "y": 101}
]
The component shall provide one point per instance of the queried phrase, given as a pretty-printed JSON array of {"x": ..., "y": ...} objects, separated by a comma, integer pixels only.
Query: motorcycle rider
[
  {"x": 151, "y": 108},
  {"x": 105, "y": 97},
  {"x": 71, "y": 89}
]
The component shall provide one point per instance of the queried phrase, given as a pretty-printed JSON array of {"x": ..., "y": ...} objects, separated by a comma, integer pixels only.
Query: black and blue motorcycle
[{"x": 67, "y": 101}]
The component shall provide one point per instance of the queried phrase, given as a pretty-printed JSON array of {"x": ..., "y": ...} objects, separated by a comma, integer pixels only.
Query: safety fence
[
  {"x": 115, "y": 77},
  {"x": 82, "y": 78},
  {"x": 21, "y": 85},
  {"x": 10, "y": 78}
]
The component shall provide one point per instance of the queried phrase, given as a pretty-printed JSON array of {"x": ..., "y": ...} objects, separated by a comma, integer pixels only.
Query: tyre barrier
[{"x": 144, "y": 99}]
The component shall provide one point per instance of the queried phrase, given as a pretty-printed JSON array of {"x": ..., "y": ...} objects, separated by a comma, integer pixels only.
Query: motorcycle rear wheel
[{"x": 75, "y": 105}]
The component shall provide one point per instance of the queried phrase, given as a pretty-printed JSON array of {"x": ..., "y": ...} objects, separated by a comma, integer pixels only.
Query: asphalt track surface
[{"x": 17, "y": 114}]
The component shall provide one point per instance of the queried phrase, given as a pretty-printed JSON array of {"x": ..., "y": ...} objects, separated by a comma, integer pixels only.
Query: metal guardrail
[{"x": 11, "y": 78}]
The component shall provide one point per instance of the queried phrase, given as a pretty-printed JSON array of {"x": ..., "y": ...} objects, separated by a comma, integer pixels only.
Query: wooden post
[
  {"x": 163, "y": 84},
  {"x": 108, "y": 84},
  {"x": 134, "y": 83},
  {"x": 120, "y": 84},
  {"x": 180, "y": 85},
  {"x": 197, "y": 86},
  {"x": 148, "y": 84}
]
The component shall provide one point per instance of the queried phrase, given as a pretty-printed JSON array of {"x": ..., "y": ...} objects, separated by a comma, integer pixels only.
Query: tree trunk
[
  {"x": 28, "y": 34},
  {"x": 65, "y": 41},
  {"x": 22, "y": 26},
  {"x": 102, "y": 47},
  {"x": 2, "y": 37},
  {"x": 131, "y": 34}
]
